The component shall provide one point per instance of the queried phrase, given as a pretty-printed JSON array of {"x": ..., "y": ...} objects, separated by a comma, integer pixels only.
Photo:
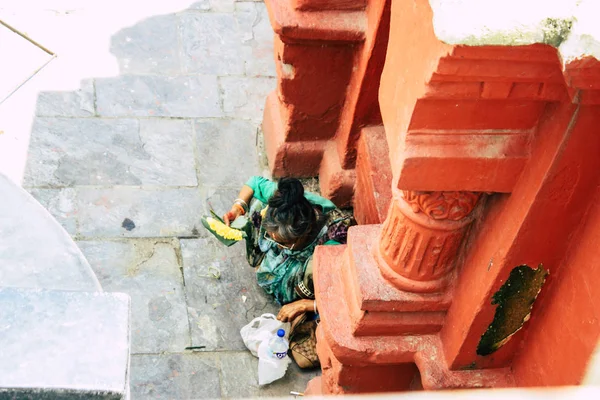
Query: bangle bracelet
[
  {"x": 242, "y": 201},
  {"x": 242, "y": 204},
  {"x": 237, "y": 205},
  {"x": 315, "y": 306}
]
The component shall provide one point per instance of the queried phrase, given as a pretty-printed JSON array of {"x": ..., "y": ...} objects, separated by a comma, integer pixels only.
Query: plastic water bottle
[
  {"x": 278, "y": 346},
  {"x": 272, "y": 358}
]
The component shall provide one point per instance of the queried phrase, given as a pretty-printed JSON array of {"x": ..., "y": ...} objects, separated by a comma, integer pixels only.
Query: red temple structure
[{"x": 472, "y": 160}]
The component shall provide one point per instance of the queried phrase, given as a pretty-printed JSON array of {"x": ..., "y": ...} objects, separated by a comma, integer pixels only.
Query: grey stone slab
[
  {"x": 57, "y": 341},
  {"x": 139, "y": 212},
  {"x": 169, "y": 144},
  {"x": 159, "y": 96},
  {"x": 245, "y": 97},
  {"x": 261, "y": 28},
  {"x": 246, "y": 16},
  {"x": 239, "y": 373},
  {"x": 79, "y": 103},
  {"x": 219, "y": 199},
  {"x": 226, "y": 152},
  {"x": 261, "y": 60},
  {"x": 253, "y": 20},
  {"x": 151, "y": 212},
  {"x": 174, "y": 376},
  {"x": 214, "y": 5},
  {"x": 222, "y": 293},
  {"x": 92, "y": 151},
  {"x": 35, "y": 251},
  {"x": 212, "y": 44},
  {"x": 61, "y": 203},
  {"x": 149, "y": 271},
  {"x": 148, "y": 47}
]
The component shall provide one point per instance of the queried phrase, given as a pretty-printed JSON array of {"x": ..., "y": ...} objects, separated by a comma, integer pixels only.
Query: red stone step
[{"x": 373, "y": 191}]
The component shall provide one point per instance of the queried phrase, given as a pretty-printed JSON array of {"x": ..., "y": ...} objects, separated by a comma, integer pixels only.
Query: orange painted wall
[
  {"x": 535, "y": 224},
  {"x": 565, "y": 328},
  {"x": 362, "y": 104},
  {"x": 488, "y": 258},
  {"x": 410, "y": 61}
]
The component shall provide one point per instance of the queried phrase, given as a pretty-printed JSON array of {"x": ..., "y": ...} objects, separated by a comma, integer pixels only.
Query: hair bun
[{"x": 291, "y": 190}]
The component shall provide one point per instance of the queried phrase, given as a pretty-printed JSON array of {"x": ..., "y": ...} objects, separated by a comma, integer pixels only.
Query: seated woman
[{"x": 289, "y": 224}]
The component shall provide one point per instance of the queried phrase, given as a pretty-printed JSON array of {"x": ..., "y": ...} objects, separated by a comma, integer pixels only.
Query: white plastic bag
[
  {"x": 270, "y": 368},
  {"x": 261, "y": 328}
]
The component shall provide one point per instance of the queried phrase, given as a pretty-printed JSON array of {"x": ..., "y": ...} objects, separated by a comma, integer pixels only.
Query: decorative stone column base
[
  {"x": 372, "y": 335},
  {"x": 376, "y": 306}
]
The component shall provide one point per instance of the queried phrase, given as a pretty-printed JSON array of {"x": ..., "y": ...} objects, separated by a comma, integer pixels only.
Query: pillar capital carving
[{"x": 452, "y": 206}]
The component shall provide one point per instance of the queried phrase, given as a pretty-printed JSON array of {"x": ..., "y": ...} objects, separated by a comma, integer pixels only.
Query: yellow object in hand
[{"x": 223, "y": 230}]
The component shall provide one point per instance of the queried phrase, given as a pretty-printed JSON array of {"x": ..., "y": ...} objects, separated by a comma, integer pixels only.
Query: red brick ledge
[{"x": 328, "y": 25}]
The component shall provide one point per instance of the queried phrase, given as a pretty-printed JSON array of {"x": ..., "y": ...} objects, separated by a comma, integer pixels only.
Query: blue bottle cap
[{"x": 281, "y": 333}]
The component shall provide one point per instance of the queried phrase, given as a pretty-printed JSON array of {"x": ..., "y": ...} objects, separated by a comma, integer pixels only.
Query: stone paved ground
[{"x": 128, "y": 164}]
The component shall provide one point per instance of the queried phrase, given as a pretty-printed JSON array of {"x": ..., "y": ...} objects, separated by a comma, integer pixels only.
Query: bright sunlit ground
[{"x": 79, "y": 32}]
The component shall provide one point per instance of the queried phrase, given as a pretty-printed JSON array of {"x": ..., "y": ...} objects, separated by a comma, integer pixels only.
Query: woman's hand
[
  {"x": 240, "y": 205},
  {"x": 292, "y": 310},
  {"x": 230, "y": 216}
]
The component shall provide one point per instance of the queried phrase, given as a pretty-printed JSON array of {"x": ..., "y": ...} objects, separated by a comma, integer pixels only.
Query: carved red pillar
[
  {"x": 315, "y": 48},
  {"x": 421, "y": 237},
  {"x": 329, "y": 56}
]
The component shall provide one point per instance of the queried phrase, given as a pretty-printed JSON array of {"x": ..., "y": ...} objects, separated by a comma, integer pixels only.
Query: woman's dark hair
[{"x": 290, "y": 215}]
